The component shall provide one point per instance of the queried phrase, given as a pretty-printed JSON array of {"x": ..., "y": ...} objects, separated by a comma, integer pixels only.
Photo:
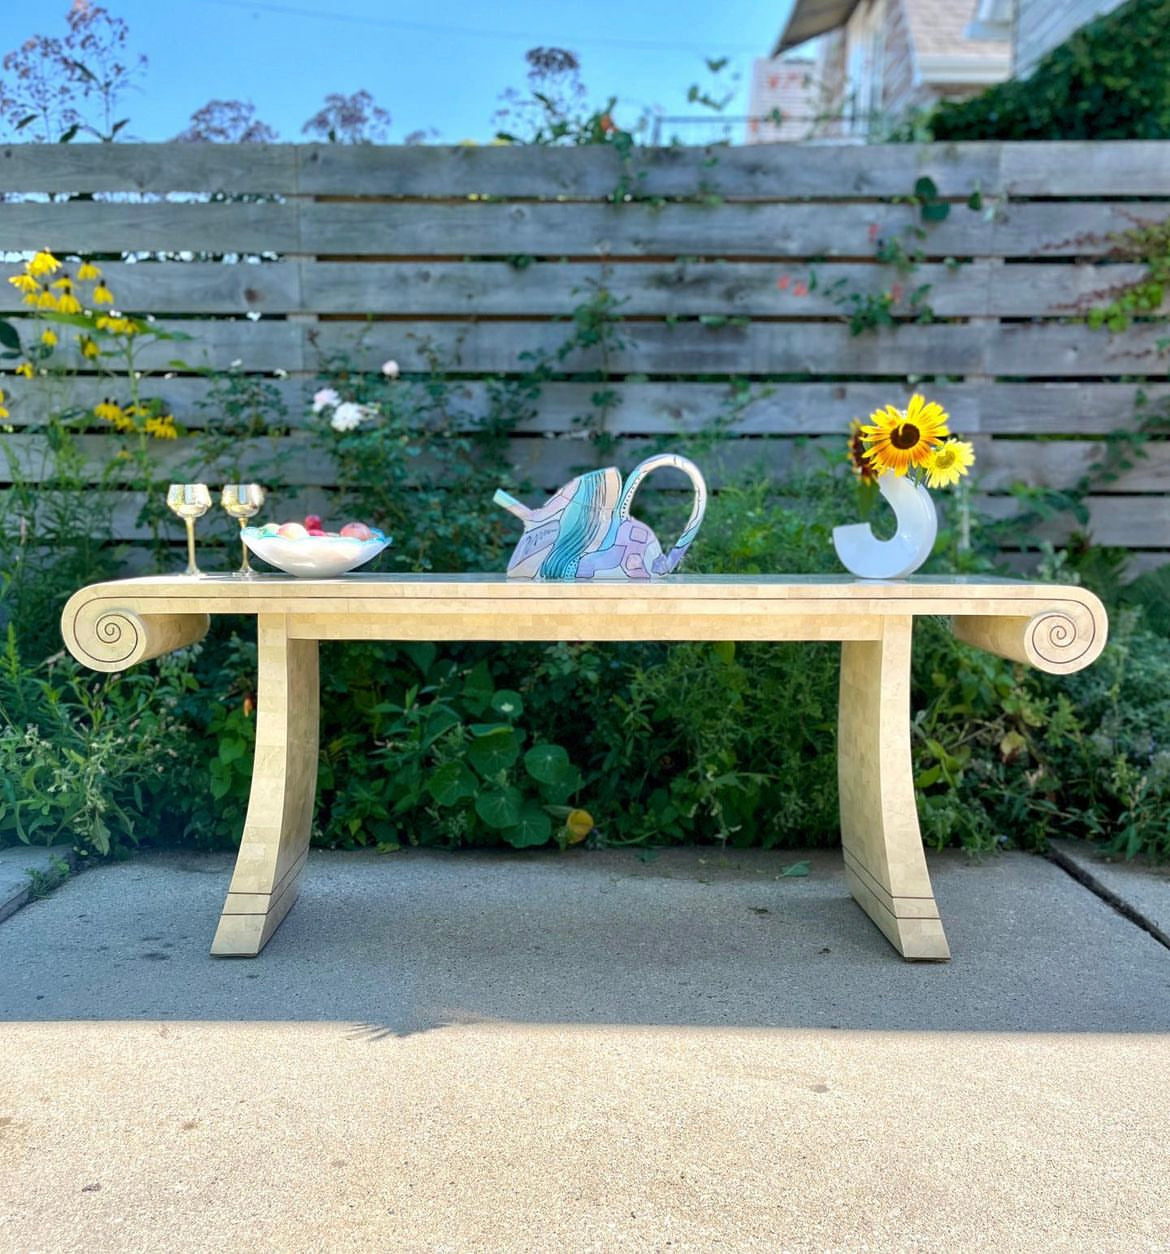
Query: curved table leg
[
  {"x": 280, "y": 806},
  {"x": 884, "y": 859}
]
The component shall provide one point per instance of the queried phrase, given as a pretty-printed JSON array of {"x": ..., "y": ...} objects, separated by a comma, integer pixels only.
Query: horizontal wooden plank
[
  {"x": 725, "y": 288},
  {"x": 679, "y": 407},
  {"x": 387, "y": 229},
  {"x": 767, "y": 171},
  {"x": 157, "y": 168},
  {"x": 1136, "y": 522},
  {"x": 1133, "y": 522},
  {"x": 299, "y": 460},
  {"x": 759, "y": 349}
]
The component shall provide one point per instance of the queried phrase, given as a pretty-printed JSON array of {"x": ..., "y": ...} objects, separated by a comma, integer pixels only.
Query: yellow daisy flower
[
  {"x": 49, "y": 336},
  {"x": 102, "y": 295},
  {"x": 162, "y": 428},
  {"x": 65, "y": 283},
  {"x": 89, "y": 347},
  {"x": 25, "y": 283},
  {"x": 25, "y": 368},
  {"x": 46, "y": 300},
  {"x": 117, "y": 325},
  {"x": 900, "y": 439},
  {"x": 3, "y": 411},
  {"x": 67, "y": 303},
  {"x": 948, "y": 463},
  {"x": 109, "y": 411},
  {"x": 87, "y": 270},
  {"x": 43, "y": 263}
]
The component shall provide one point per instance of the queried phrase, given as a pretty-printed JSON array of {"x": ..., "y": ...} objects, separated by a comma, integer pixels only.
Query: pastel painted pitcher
[{"x": 585, "y": 530}]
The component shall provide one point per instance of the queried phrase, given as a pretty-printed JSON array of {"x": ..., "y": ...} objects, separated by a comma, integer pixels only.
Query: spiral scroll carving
[
  {"x": 107, "y": 638},
  {"x": 1062, "y": 640}
]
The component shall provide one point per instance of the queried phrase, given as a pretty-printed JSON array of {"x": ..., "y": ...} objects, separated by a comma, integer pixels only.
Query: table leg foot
[
  {"x": 280, "y": 806},
  {"x": 884, "y": 859}
]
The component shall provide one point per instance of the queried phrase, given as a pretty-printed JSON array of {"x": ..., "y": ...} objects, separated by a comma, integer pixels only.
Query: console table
[{"x": 112, "y": 626}]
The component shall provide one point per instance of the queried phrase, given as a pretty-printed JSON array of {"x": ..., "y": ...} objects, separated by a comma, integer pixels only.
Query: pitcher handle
[{"x": 664, "y": 564}]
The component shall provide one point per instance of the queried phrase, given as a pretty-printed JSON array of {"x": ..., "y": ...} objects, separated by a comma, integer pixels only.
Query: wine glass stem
[
  {"x": 246, "y": 566},
  {"x": 192, "y": 569}
]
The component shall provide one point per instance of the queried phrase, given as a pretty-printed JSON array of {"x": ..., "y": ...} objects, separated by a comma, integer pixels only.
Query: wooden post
[
  {"x": 884, "y": 861},
  {"x": 284, "y": 785}
]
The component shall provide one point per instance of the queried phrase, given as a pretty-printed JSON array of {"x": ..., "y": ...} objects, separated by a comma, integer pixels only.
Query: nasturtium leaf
[
  {"x": 494, "y": 752},
  {"x": 548, "y": 764},
  {"x": 8, "y": 336},
  {"x": 926, "y": 188},
  {"x": 508, "y": 704},
  {"x": 500, "y": 807},
  {"x": 534, "y": 828},
  {"x": 450, "y": 783}
]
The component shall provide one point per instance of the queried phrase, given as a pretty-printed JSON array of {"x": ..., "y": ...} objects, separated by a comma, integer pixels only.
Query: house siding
[
  {"x": 784, "y": 83},
  {"x": 898, "y": 88},
  {"x": 1042, "y": 25}
]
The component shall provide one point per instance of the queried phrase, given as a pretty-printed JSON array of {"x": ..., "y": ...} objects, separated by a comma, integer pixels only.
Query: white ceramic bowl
[{"x": 314, "y": 557}]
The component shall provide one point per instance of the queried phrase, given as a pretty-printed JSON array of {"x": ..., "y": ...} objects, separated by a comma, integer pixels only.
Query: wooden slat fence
[{"x": 723, "y": 267}]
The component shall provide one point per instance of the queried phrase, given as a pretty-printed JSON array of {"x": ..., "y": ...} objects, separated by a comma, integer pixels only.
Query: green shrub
[
  {"x": 94, "y": 759},
  {"x": 1111, "y": 80}
]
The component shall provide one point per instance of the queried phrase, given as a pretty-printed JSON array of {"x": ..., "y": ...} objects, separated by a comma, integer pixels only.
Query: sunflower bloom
[
  {"x": 25, "y": 368},
  {"x": 102, "y": 295},
  {"x": 948, "y": 463},
  {"x": 901, "y": 439},
  {"x": 863, "y": 468},
  {"x": 24, "y": 283},
  {"x": 87, "y": 270},
  {"x": 43, "y": 263}
]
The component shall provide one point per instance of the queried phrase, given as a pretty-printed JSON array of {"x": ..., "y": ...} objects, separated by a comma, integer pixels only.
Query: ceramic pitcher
[{"x": 586, "y": 531}]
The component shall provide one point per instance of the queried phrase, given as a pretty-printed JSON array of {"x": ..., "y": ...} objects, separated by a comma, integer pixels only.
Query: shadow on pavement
[{"x": 409, "y": 942}]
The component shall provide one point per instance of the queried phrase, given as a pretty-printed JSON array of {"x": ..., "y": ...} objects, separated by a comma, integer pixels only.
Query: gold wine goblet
[
  {"x": 189, "y": 501},
  {"x": 242, "y": 501}
]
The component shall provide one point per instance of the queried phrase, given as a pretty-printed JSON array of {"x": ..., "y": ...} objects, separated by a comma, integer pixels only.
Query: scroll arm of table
[
  {"x": 106, "y": 636},
  {"x": 1060, "y": 638}
]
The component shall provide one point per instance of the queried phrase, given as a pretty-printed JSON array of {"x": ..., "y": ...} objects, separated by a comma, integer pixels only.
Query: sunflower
[
  {"x": 900, "y": 439},
  {"x": 863, "y": 468},
  {"x": 948, "y": 463}
]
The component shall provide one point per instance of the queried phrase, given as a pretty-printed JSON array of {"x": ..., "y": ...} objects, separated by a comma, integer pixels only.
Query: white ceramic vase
[{"x": 863, "y": 554}]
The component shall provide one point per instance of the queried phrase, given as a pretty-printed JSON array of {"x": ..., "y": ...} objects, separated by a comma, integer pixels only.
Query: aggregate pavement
[{"x": 581, "y": 1052}]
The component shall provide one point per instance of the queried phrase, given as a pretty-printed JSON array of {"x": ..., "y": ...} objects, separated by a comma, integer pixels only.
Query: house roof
[{"x": 810, "y": 18}]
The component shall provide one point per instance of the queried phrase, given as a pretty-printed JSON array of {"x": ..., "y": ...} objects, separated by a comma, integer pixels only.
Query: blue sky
[{"x": 441, "y": 65}]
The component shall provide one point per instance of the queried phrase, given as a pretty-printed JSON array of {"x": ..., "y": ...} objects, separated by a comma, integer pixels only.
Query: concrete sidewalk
[{"x": 587, "y": 1052}]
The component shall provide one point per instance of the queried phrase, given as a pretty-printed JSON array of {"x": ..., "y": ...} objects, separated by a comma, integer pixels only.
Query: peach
[
  {"x": 291, "y": 531},
  {"x": 357, "y": 531}
]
